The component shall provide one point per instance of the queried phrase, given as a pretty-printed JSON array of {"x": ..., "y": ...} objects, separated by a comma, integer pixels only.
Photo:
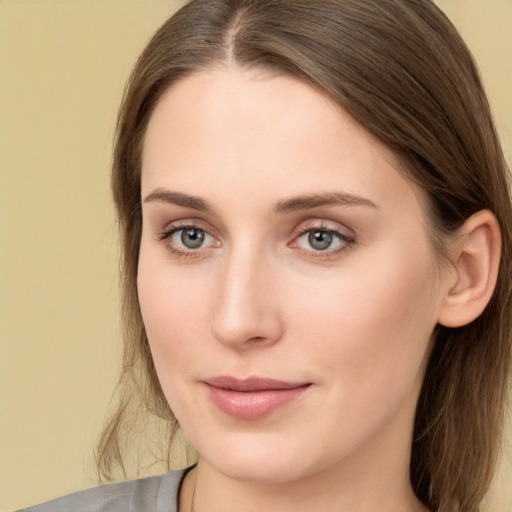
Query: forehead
[
  {"x": 260, "y": 133},
  {"x": 249, "y": 104}
]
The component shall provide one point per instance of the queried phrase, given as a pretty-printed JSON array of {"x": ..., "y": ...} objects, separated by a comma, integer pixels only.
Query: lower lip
[{"x": 253, "y": 405}]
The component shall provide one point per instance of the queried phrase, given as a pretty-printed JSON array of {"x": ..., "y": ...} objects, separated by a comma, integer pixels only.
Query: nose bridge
[{"x": 245, "y": 310}]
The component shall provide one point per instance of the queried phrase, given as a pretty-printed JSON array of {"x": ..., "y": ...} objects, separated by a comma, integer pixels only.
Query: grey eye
[
  {"x": 192, "y": 238},
  {"x": 320, "y": 240},
  {"x": 317, "y": 240}
]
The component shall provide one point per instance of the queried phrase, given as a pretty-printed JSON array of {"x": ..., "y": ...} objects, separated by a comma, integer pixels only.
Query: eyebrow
[
  {"x": 305, "y": 202},
  {"x": 179, "y": 199},
  {"x": 309, "y": 201}
]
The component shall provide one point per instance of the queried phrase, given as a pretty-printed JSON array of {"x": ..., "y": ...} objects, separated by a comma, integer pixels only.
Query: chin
[
  {"x": 270, "y": 460},
  {"x": 260, "y": 472}
]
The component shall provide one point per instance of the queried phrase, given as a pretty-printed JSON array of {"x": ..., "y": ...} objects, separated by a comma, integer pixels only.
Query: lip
[{"x": 252, "y": 398}]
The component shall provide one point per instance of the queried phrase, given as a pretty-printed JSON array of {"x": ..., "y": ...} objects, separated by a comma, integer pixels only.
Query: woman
[{"x": 316, "y": 232}]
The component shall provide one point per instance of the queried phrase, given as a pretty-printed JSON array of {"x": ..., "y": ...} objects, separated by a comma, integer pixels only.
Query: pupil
[
  {"x": 320, "y": 240},
  {"x": 192, "y": 238}
]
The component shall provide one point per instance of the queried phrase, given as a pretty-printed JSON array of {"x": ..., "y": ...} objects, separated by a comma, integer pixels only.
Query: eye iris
[
  {"x": 192, "y": 238},
  {"x": 320, "y": 240}
]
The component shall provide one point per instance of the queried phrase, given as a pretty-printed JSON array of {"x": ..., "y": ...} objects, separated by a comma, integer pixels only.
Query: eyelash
[
  {"x": 167, "y": 234},
  {"x": 347, "y": 241}
]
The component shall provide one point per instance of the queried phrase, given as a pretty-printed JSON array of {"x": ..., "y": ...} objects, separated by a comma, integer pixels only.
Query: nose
[{"x": 246, "y": 313}]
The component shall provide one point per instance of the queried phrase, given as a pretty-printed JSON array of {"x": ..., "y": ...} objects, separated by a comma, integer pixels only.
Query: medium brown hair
[{"x": 401, "y": 70}]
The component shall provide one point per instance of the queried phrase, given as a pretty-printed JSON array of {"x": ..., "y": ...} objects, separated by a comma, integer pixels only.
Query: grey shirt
[{"x": 152, "y": 494}]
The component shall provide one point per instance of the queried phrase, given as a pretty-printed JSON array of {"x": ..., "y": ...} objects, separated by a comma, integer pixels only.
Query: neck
[{"x": 220, "y": 495}]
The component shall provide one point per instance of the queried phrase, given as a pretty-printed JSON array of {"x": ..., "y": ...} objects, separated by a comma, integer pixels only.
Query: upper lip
[{"x": 251, "y": 383}]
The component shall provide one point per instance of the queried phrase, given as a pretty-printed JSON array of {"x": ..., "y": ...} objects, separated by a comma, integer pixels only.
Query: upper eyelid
[
  {"x": 322, "y": 224},
  {"x": 336, "y": 232},
  {"x": 346, "y": 238},
  {"x": 190, "y": 223}
]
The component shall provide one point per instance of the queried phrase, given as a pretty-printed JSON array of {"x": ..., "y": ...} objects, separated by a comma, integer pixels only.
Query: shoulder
[{"x": 151, "y": 494}]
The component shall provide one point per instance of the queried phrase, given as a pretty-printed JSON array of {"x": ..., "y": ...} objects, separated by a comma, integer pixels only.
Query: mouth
[{"x": 253, "y": 398}]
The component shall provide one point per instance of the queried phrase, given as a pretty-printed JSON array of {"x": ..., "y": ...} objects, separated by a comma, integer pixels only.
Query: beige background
[{"x": 63, "y": 65}]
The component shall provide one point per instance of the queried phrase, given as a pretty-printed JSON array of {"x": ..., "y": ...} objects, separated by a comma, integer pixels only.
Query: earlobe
[{"x": 475, "y": 258}]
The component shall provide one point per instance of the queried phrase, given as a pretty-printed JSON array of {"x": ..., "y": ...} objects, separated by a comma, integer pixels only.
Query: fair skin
[{"x": 281, "y": 241}]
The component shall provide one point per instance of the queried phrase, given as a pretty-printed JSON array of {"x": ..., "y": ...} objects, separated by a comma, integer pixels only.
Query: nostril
[{"x": 257, "y": 340}]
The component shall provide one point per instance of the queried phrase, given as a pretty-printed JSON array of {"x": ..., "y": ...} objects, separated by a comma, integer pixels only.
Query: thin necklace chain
[{"x": 193, "y": 494}]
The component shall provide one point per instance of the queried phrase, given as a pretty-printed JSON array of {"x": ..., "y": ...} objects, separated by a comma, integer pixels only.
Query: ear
[{"x": 475, "y": 258}]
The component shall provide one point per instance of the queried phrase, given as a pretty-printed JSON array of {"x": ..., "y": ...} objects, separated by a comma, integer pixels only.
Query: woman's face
[{"x": 286, "y": 282}]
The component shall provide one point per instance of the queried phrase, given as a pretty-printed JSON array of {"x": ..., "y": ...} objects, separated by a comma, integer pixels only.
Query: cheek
[
  {"x": 171, "y": 311},
  {"x": 371, "y": 324}
]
